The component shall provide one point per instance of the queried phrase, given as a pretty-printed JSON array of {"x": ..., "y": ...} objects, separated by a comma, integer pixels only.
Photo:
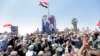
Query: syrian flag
[
  {"x": 7, "y": 25},
  {"x": 44, "y": 4}
]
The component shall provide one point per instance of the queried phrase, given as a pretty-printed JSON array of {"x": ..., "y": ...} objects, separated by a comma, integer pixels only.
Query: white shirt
[{"x": 29, "y": 53}]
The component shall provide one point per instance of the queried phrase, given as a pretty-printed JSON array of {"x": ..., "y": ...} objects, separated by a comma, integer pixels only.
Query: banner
[
  {"x": 48, "y": 24},
  {"x": 52, "y": 21},
  {"x": 14, "y": 30}
]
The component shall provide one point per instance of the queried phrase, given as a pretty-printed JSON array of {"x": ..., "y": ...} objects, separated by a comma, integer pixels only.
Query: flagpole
[{"x": 48, "y": 9}]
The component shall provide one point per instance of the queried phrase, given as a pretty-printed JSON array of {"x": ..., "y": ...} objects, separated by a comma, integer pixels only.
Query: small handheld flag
[
  {"x": 98, "y": 23},
  {"x": 7, "y": 25}
]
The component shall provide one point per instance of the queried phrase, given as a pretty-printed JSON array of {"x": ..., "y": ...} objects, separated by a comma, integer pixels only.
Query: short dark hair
[
  {"x": 96, "y": 34},
  {"x": 85, "y": 34}
]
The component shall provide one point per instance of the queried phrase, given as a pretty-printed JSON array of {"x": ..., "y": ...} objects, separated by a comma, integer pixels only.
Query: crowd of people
[{"x": 56, "y": 44}]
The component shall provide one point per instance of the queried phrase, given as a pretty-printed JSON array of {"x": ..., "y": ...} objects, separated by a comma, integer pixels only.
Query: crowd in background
[{"x": 56, "y": 44}]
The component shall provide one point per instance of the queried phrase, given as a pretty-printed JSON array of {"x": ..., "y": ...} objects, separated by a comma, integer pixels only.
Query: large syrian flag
[{"x": 44, "y": 4}]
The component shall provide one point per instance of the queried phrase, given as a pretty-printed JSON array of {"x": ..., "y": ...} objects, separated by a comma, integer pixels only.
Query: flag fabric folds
[{"x": 44, "y": 4}]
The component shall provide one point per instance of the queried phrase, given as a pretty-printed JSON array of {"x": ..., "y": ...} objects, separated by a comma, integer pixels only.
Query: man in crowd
[
  {"x": 3, "y": 41},
  {"x": 9, "y": 50},
  {"x": 86, "y": 49},
  {"x": 94, "y": 40}
]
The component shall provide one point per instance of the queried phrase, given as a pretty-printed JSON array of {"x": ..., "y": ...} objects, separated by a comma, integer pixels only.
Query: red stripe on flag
[
  {"x": 7, "y": 25},
  {"x": 44, "y": 4}
]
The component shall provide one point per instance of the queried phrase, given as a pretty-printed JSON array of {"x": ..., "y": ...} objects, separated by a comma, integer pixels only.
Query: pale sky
[{"x": 27, "y": 14}]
